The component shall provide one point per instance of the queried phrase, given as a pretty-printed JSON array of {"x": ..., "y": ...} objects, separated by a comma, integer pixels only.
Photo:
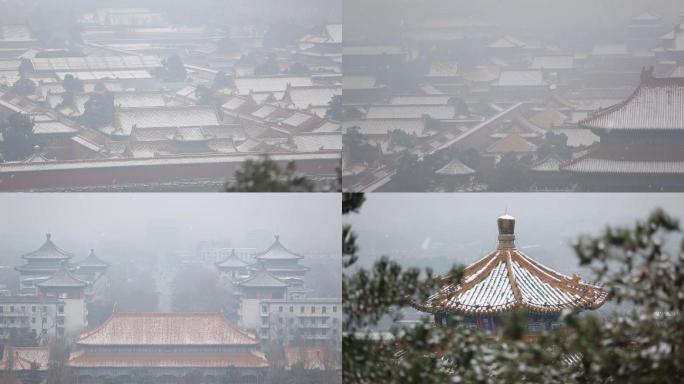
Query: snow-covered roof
[
  {"x": 455, "y": 168},
  {"x": 439, "y": 112},
  {"x": 277, "y": 252},
  {"x": 25, "y": 358},
  {"x": 96, "y": 63},
  {"x": 305, "y": 97},
  {"x": 420, "y": 99},
  {"x": 359, "y": 82},
  {"x": 247, "y": 85},
  {"x": 553, "y": 62},
  {"x": 318, "y": 142},
  {"x": 48, "y": 251},
  {"x": 607, "y": 166},
  {"x": 92, "y": 261},
  {"x": 507, "y": 279},
  {"x": 166, "y": 329},
  {"x": 657, "y": 104},
  {"x": 384, "y": 126},
  {"x": 195, "y": 116},
  {"x": 263, "y": 279},
  {"x": 62, "y": 279},
  {"x": 232, "y": 261},
  {"x": 521, "y": 78},
  {"x": 511, "y": 143}
]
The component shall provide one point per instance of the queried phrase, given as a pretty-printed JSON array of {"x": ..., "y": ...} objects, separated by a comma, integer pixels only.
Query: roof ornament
[
  {"x": 48, "y": 235},
  {"x": 506, "y": 225}
]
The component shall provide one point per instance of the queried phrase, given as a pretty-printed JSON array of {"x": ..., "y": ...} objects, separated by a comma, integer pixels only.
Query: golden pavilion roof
[{"x": 507, "y": 279}]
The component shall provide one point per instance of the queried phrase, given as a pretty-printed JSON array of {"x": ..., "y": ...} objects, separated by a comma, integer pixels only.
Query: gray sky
[
  {"x": 307, "y": 223},
  {"x": 440, "y": 229}
]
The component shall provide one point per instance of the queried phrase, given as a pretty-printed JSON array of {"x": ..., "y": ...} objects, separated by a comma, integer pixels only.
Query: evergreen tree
[
  {"x": 19, "y": 139},
  {"x": 265, "y": 175}
]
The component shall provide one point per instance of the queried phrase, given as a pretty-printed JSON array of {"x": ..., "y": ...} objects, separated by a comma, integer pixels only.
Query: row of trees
[{"x": 641, "y": 345}]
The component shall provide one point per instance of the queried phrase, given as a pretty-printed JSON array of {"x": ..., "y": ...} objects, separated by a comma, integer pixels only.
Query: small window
[
  {"x": 335, "y": 308},
  {"x": 301, "y": 309},
  {"x": 264, "y": 308},
  {"x": 280, "y": 308},
  {"x": 324, "y": 309},
  {"x": 313, "y": 309},
  {"x": 291, "y": 308}
]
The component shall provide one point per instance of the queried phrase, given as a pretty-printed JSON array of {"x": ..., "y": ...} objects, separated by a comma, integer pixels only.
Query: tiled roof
[
  {"x": 297, "y": 119},
  {"x": 153, "y": 328},
  {"x": 48, "y": 251},
  {"x": 63, "y": 279},
  {"x": 277, "y": 252},
  {"x": 553, "y": 62},
  {"x": 247, "y": 85},
  {"x": 384, "y": 126},
  {"x": 455, "y": 167},
  {"x": 371, "y": 50},
  {"x": 658, "y": 103},
  {"x": 318, "y": 142},
  {"x": 550, "y": 164},
  {"x": 195, "y": 116},
  {"x": 263, "y": 279},
  {"x": 15, "y": 33},
  {"x": 439, "y": 112},
  {"x": 604, "y": 166},
  {"x": 521, "y": 78},
  {"x": 506, "y": 279},
  {"x": 511, "y": 144},
  {"x": 420, "y": 99},
  {"x": 232, "y": 261},
  {"x": 92, "y": 261},
  {"x": 25, "y": 357},
  {"x": 139, "y": 99},
  {"x": 249, "y": 359},
  {"x": 359, "y": 82},
  {"x": 305, "y": 97},
  {"x": 95, "y": 63},
  {"x": 443, "y": 69}
]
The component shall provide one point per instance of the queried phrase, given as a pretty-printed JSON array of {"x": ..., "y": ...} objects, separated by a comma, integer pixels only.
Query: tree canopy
[
  {"x": 265, "y": 175},
  {"x": 19, "y": 139}
]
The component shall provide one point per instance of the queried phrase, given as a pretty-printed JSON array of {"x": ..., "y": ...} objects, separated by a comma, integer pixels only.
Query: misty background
[
  {"x": 152, "y": 241},
  {"x": 361, "y": 19}
]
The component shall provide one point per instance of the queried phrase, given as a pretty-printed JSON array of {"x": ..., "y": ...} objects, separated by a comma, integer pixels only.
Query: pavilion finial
[
  {"x": 277, "y": 237},
  {"x": 506, "y": 224},
  {"x": 48, "y": 235}
]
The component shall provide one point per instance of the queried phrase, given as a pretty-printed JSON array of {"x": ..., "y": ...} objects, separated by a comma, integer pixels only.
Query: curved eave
[
  {"x": 567, "y": 292},
  {"x": 489, "y": 310}
]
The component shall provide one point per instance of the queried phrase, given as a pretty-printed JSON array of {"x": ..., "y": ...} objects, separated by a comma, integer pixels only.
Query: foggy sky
[
  {"x": 439, "y": 230},
  {"x": 364, "y": 18},
  {"x": 307, "y": 223}
]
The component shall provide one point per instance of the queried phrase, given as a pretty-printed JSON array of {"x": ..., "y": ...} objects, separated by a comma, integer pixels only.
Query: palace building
[
  {"x": 506, "y": 280},
  {"x": 641, "y": 141},
  {"x": 283, "y": 264},
  {"x": 41, "y": 264},
  {"x": 167, "y": 346}
]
